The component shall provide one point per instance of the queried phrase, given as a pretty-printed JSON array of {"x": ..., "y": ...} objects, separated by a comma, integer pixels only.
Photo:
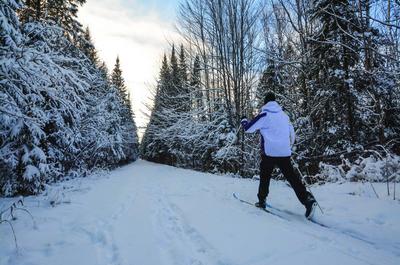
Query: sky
[{"x": 139, "y": 32}]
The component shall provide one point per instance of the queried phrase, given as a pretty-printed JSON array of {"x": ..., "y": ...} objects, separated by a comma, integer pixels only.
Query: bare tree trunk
[
  {"x": 38, "y": 8},
  {"x": 225, "y": 30}
]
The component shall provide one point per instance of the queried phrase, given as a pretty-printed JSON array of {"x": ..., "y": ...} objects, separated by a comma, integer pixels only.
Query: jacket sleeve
[
  {"x": 292, "y": 134},
  {"x": 255, "y": 124}
]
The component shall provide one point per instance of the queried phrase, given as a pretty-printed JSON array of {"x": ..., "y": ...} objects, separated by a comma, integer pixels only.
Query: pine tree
[
  {"x": 103, "y": 70},
  {"x": 63, "y": 12},
  {"x": 185, "y": 93},
  {"x": 163, "y": 86},
  {"x": 131, "y": 146},
  {"x": 269, "y": 82},
  {"x": 195, "y": 80},
  {"x": 182, "y": 66},
  {"x": 32, "y": 10},
  {"x": 118, "y": 81},
  {"x": 195, "y": 85},
  {"x": 10, "y": 34},
  {"x": 87, "y": 47},
  {"x": 335, "y": 51},
  {"x": 176, "y": 82},
  {"x": 68, "y": 119},
  {"x": 375, "y": 83},
  {"x": 153, "y": 146}
]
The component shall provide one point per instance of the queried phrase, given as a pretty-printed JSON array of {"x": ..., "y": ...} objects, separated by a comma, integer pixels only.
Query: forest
[
  {"x": 90, "y": 176},
  {"x": 62, "y": 114},
  {"x": 334, "y": 66}
]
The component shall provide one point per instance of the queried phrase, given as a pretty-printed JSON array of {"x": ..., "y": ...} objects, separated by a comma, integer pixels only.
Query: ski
[
  {"x": 290, "y": 213},
  {"x": 263, "y": 209},
  {"x": 272, "y": 210},
  {"x": 346, "y": 233}
]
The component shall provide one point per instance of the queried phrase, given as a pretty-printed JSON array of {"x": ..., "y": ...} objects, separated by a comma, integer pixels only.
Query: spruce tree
[
  {"x": 185, "y": 93},
  {"x": 153, "y": 146},
  {"x": 63, "y": 12},
  {"x": 67, "y": 120},
  {"x": 86, "y": 45},
  {"x": 32, "y": 10},
  {"x": 126, "y": 112},
  {"x": 269, "y": 82},
  {"x": 103, "y": 70},
  {"x": 183, "y": 66},
  {"x": 195, "y": 78},
  {"x": 163, "y": 86},
  {"x": 118, "y": 81},
  {"x": 335, "y": 50},
  {"x": 10, "y": 35},
  {"x": 176, "y": 82},
  {"x": 195, "y": 85}
]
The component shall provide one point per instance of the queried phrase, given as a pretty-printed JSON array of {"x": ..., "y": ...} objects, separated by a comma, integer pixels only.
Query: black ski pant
[{"x": 283, "y": 163}]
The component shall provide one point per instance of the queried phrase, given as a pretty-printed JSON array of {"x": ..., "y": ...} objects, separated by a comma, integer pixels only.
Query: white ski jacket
[{"x": 276, "y": 130}]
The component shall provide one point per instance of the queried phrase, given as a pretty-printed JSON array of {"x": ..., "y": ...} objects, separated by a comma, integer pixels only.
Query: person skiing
[{"x": 277, "y": 137}]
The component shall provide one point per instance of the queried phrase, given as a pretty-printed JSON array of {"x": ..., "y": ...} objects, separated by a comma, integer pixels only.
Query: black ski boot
[
  {"x": 310, "y": 208},
  {"x": 261, "y": 204}
]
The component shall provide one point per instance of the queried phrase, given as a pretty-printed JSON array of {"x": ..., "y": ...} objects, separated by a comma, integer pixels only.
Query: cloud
[{"x": 135, "y": 32}]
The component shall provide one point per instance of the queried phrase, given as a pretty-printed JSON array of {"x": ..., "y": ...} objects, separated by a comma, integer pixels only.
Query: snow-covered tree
[
  {"x": 335, "y": 51},
  {"x": 188, "y": 136},
  {"x": 195, "y": 85},
  {"x": 332, "y": 70},
  {"x": 86, "y": 45},
  {"x": 270, "y": 81},
  {"x": 129, "y": 139},
  {"x": 153, "y": 148},
  {"x": 63, "y": 12},
  {"x": 10, "y": 33},
  {"x": 185, "y": 93},
  {"x": 59, "y": 114}
]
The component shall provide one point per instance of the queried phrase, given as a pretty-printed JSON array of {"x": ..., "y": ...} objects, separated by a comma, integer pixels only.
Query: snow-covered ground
[{"x": 146, "y": 213}]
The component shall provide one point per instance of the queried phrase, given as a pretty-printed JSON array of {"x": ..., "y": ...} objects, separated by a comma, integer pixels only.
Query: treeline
[
  {"x": 333, "y": 64},
  {"x": 182, "y": 131},
  {"x": 61, "y": 113}
]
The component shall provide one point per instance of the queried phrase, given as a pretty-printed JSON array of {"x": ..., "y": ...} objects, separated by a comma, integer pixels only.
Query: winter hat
[{"x": 270, "y": 96}]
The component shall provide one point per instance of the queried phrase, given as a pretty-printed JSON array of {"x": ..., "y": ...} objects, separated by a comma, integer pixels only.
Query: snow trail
[{"x": 146, "y": 213}]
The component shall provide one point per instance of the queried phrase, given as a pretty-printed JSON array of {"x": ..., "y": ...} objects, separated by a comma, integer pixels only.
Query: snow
[
  {"x": 365, "y": 168},
  {"x": 145, "y": 213},
  {"x": 338, "y": 72},
  {"x": 31, "y": 172}
]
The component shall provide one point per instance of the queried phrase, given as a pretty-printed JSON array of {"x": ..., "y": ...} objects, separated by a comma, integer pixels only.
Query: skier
[{"x": 277, "y": 137}]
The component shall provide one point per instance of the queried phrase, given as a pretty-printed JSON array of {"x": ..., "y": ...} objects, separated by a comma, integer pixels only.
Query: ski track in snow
[
  {"x": 181, "y": 243},
  {"x": 146, "y": 213},
  {"x": 101, "y": 234},
  {"x": 348, "y": 232}
]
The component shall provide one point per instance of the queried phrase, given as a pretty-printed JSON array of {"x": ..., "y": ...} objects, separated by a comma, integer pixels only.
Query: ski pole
[
  {"x": 313, "y": 194},
  {"x": 307, "y": 186}
]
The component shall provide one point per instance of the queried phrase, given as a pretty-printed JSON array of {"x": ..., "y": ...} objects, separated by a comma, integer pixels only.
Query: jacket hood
[{"x": 272, "y": 107}]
